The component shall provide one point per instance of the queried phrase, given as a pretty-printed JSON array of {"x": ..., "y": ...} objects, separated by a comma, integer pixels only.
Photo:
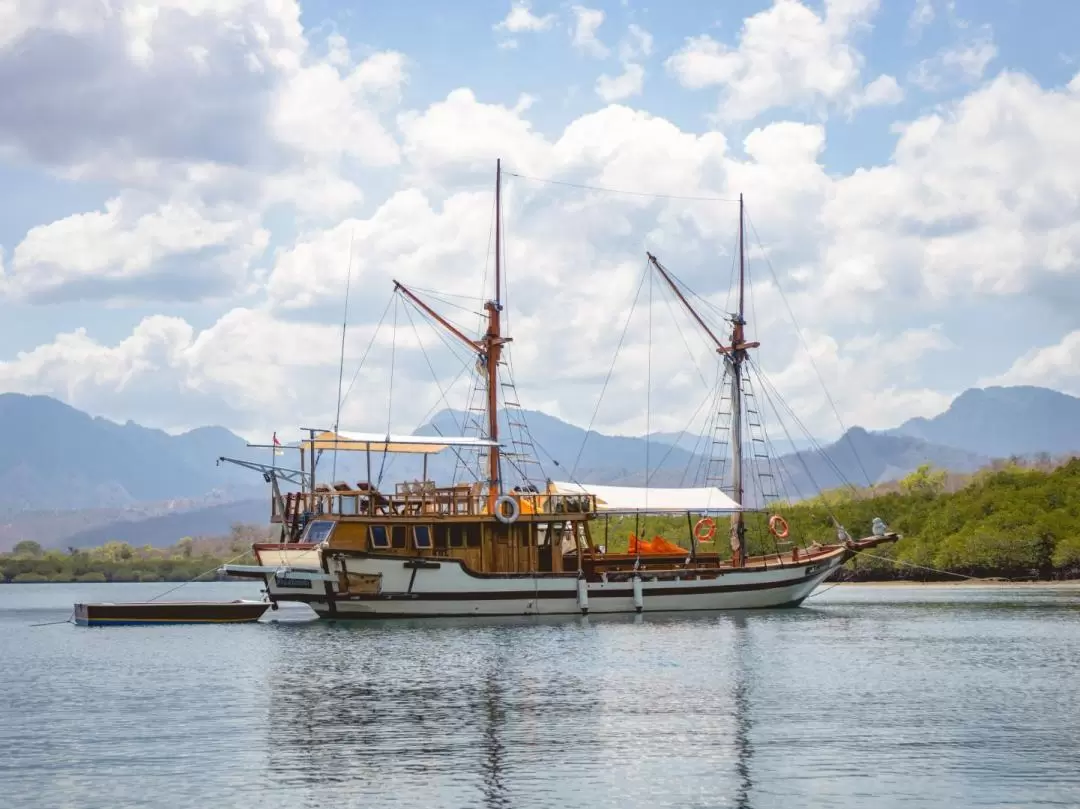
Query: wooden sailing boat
[{"x": 353, "y": 551}]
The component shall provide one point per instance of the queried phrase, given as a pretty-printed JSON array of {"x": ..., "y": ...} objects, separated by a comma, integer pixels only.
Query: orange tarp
[
  {"x": 654, "y": 545},
  {"x": 528, "y": 503}
]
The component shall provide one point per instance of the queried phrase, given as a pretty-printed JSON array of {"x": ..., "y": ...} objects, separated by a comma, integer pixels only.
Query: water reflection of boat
[
  {"x": 740, "y": 711},
  {"x": 453, "y": 713},
  {"x": 483, "y": 548}
]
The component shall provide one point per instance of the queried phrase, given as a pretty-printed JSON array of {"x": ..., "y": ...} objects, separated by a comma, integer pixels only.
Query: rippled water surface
[{"x": 864, "y": 697}]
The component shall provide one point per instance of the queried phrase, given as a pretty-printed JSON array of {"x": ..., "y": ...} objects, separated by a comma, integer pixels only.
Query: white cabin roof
[
  {"x": 637, "y": 498},
  {"x": 347, "y": 441}
]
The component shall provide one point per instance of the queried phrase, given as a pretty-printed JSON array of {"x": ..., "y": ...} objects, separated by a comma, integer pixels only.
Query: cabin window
[
  {"x": 347, "y": 504},
  {"x": 457, "y": 536},
  {"x": 440, "y": 537},
  {"x": 379, "y": 537},
  {"x": 317, "y": 531},
  {"x": 422, "y": 537},
  {"x": 472, "y": 535},
  {"x": 397, "y": 536}
]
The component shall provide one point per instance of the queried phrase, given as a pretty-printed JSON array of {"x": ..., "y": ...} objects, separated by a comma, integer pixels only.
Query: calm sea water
[{"x": 865, "y": 697}]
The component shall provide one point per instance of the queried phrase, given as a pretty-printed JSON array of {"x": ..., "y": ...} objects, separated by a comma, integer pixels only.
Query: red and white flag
[{"x": 277, "y": 445}]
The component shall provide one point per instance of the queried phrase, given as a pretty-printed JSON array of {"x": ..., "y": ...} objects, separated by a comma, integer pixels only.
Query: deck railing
[{"x": 419, "y": 501}]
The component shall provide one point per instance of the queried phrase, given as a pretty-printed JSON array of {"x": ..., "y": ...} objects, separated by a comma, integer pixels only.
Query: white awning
[
  {"x": 635, "y": 498},
  {"x": 346, "y": 441}
]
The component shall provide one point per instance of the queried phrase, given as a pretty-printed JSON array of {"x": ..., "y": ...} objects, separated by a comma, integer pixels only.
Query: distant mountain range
[
  {"x": 1002, "y": 422},
  {"x": 69, "y": 479},
  {"x": 859, "y": 457},
  {"x": 59, "y": 458}
]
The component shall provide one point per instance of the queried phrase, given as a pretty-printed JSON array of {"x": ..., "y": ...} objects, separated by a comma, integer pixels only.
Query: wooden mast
[
  {"x": 493, "y": 341},
  {"x": 735, "y": 359},
  {"x": 734, "y": 355},
  {"x": 489, "y": 347}
]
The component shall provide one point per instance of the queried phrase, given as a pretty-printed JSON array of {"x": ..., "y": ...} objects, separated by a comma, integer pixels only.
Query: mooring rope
[
  {"x": 159, "y": 595},
  {"x": 196, "y": 578},
  {"x": 821, "y": 592},
  {"x": 54, "y": 623},
  {"x": 932, "y": 569},
  {"x": 912, "y": 564}
]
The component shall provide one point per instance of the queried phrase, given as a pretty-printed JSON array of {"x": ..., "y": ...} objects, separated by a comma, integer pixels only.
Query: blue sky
[{"x": 180, "y": 193}]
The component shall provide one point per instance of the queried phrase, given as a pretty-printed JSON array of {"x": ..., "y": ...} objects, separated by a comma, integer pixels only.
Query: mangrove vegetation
[{"x": 1010, "y": 521}]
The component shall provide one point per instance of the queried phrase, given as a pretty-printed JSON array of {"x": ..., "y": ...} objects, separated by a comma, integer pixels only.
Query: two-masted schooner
[{"x": 353, "y": 550}]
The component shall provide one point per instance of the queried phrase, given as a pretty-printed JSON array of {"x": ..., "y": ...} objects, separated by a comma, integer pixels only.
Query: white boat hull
[{"x": 411, "y": 588}]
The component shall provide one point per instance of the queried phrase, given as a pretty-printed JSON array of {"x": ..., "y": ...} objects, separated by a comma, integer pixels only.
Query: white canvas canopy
[
  {"x": 346, "y": 441},
  {"x": 635, "y": 498}
]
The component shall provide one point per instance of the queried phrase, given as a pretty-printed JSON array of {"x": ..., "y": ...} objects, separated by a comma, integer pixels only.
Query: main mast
[
  {"x": 488, "y": 347},
  {"x": 735, "y": 358},
  {"x": 492, "y": 353}
]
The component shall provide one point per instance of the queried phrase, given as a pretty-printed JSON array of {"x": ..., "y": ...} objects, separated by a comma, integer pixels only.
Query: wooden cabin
[{"x": 520, "y": 532}]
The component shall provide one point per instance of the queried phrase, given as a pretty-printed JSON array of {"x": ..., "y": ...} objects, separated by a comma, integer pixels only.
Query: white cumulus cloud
[
  {"x": 787, "y": 55},
  {"x": 583, "y": 34},
  {"x": 976, "y": 202}
]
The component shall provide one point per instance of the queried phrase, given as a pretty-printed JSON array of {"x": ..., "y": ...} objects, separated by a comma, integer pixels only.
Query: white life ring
[{"x": 515, "y": 509}]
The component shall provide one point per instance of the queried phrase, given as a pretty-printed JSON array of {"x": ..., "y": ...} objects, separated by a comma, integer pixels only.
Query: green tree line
[
  {"x": 1010, "y": 521},
  {"x": 119, "y": 561}
]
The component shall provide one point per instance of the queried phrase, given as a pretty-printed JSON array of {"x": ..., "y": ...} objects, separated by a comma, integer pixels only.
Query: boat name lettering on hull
[{"x": 285, "y": 581}]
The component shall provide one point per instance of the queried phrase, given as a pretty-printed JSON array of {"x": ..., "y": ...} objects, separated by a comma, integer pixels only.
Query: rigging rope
[
  {"x": 389, "y": 395},
  {"x": 525, "y": 434},
  {"x": 765, "y": 390},
  {"x": 689, "y": 351},
  {"x": 444, "y": 294},
  {"x": 371, "y": 342},
  {"x": 443, "y": 394},
  {"x": 809, "y": 355},
  {"x": 674, "y": 445},
  {"x": 434, "y": 376},
  {"x": 813, "y": 442},
  {"x": 706, "y": 456},
  {"x": 452, "y": 345},
  {"x": 731, "y": 277},
  {"x": 584, "y": 187},
  {"x": 611, "y": 368},
  {"x": 341, "y": 364}
]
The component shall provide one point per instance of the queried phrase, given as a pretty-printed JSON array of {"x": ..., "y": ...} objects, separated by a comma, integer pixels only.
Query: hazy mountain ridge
[
  {"x": 66, "y": 459},
  {"x": 1002, "y": 422},
  {"x": 72, "y": 479}
]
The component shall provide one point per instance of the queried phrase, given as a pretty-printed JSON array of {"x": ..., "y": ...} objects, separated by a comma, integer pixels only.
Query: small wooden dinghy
[{"x": 170, "y": 612}]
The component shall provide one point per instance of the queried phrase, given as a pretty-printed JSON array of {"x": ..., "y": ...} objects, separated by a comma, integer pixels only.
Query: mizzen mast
[{"x": 734, "y": 354}]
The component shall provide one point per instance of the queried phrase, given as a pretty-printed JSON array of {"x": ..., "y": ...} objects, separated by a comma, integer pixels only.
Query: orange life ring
[
  {"x": 774, "y": 521},
  {"x": 710, "y": 529}
]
